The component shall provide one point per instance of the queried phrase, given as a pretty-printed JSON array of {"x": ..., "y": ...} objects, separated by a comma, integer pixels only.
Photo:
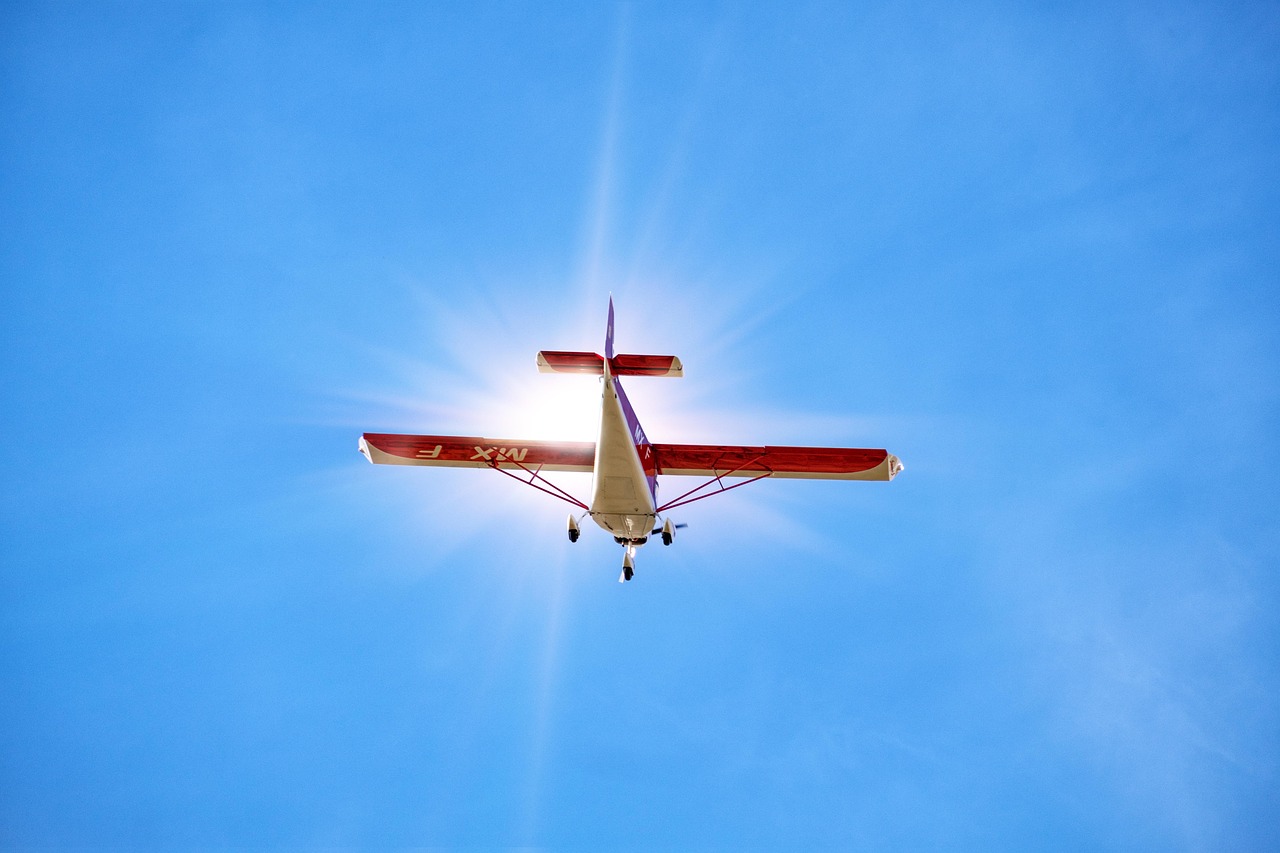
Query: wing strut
[
  {"x": 555, "y": 491},
  {"x": 716, "y": 480}
]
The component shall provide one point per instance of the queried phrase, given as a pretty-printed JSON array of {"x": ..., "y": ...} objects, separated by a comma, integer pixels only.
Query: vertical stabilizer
[{"x": 608, "y": 334}]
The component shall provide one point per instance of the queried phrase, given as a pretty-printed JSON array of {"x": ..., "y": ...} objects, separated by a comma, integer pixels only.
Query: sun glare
[{"x": 554, "y": 408}]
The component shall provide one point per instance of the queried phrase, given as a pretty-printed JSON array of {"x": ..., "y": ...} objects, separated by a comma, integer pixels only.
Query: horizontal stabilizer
[
  {"x": 646, "y": 365},
  {"x": 592, "y": 363},
  {"x": 809, "y": 463},
  {"x": 554, "y": 361},
  {"x": 463, "y": 451}
]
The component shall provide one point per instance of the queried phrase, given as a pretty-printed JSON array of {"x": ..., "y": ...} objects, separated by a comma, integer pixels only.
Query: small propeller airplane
[{"x": 625, "y": 465}]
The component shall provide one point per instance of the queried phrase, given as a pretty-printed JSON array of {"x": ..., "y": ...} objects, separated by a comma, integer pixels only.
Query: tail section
[
  {"x": 608, "y": 332},
  {"x": 592, "y": 363}
]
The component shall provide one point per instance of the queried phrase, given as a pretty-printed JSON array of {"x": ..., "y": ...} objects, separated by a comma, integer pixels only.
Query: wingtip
[{"x": 896, "y": 466}]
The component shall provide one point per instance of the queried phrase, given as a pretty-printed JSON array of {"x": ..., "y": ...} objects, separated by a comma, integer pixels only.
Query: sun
[{"x": 545, "y": 407}]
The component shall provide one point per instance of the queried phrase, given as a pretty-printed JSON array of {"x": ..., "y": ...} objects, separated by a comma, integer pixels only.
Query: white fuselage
[{"x": 621, "y": 501}]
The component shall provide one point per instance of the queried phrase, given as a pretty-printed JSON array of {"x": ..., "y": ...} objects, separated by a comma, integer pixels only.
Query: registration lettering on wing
[{"x": 499, "y": 454}]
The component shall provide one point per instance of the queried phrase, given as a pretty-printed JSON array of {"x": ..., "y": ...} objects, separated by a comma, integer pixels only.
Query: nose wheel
[{"x": 628, "y": 564}]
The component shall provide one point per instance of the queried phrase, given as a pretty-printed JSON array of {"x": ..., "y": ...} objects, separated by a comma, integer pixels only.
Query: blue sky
[{"x": 1031, "y": 252}]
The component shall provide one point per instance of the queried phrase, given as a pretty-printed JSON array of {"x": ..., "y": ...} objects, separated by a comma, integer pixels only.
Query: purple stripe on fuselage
[{"x": 643, "y": 449}]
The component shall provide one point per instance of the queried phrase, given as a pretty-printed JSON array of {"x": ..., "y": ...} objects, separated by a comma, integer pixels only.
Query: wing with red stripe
[
  {"x": 463, "y": 451},
  {"x": 810, "y": 463}
]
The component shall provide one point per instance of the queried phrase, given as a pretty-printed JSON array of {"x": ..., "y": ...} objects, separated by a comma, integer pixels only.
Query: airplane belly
[{"x": 620, "y": 500}]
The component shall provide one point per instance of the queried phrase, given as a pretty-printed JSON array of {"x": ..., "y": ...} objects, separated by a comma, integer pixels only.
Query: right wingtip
[{"x": 895, "y": 466}]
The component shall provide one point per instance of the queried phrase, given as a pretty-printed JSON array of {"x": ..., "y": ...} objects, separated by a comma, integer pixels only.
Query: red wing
[
  {"x": 814, "y": 463},
  {"x": 462, "y": 451}
]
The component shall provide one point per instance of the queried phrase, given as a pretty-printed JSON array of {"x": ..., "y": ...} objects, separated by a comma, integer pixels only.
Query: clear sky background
[{"x": 1033, "y": 253}]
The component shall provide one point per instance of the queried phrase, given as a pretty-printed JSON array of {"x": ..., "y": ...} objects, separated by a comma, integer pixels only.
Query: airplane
[{"x": 624, "y": 463}]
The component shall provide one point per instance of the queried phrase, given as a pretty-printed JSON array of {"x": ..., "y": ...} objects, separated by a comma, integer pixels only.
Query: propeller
[{"x": 657, "y": 530}]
